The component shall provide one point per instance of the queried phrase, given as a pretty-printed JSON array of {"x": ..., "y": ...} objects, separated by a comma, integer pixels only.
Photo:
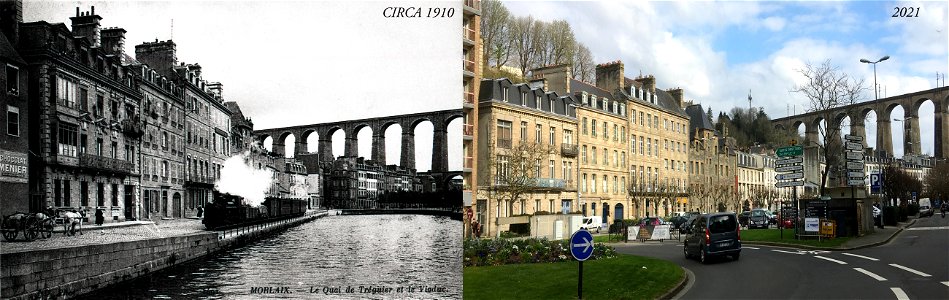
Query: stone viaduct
[
  {"x": 325, "y": 131},
  {"x": 882, "y": 107}
]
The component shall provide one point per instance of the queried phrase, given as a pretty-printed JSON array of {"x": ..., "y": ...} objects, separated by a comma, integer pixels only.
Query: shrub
[{"x": 493, "y": 252}]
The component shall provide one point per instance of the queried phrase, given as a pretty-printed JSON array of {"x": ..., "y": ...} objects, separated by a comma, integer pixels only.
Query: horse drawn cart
[{"x": 32, "y": 225}]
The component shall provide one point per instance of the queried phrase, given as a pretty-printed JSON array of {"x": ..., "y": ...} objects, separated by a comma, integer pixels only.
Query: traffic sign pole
[{"x": 580, "y": 282}]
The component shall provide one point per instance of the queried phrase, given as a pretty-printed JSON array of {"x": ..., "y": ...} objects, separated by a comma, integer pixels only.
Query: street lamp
[{"x": 864, "y": 60}]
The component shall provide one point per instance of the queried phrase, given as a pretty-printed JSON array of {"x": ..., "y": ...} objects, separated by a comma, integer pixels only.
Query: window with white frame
[
  {"x": 13, "y": 80},
  {"x": 66, "y": 89}
]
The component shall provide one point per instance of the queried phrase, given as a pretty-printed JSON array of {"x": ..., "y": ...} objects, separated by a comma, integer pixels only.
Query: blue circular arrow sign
[{"x": 581, "y": 244}]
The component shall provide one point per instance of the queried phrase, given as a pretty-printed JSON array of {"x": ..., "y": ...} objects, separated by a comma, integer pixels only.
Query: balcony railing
[
  {"x": 132, "y": 127},
  {"x": 470, "y": 98},
  {"x": 549, "y": 183},
  {"x": 469, "y": 34},
  {"x": 199, "y": 179},
  {"x": 105, "y": 163},
  {"x": 468, "y": 130},
  {"x": 469, "y": 162},
  {"x": 469, "y": 65},
  {"x": 504, "y": 143},
  {"x": 568, "y": 150},
  {"x": 476, "y": 4}
]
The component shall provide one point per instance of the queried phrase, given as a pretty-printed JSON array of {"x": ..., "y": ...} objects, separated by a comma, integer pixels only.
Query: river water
[{"x": 348, "y": 257}]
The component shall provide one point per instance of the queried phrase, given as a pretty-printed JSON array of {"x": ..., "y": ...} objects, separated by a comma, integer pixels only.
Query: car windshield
[
  {"x": 757, "y": 213},
  {"x": 723, "y": 223}
]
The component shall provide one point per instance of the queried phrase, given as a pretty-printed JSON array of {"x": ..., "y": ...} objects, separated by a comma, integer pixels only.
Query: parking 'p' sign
[{"x": 581, "y": 245}]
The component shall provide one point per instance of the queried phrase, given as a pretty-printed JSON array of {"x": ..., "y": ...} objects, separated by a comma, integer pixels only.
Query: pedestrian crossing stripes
[
  {"x": 911, "y": 270},
  {"x": 871, "y": 274},
  {"x": 830, "y": 259},
  {"x": 900, "y": 294},
  {"x": 860, "y": 256}
]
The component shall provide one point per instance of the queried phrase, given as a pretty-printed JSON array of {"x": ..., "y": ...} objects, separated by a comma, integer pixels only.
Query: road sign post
[
  {"x": 790, "y": 151},
  {"x": 581, "y": 247}
]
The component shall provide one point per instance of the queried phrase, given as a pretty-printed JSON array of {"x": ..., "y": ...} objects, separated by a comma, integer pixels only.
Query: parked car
[
  {"x": 711, "y": 235},
  {"x": 743, "y": 218},
  {"x": 651, "y": 221},
  {"x": 592, "y": 223},
  {"x": 685, "y": 225},
  {"x": 682, "y": 218},
  {"x": 925, "y": 208},
  {"x": 789, "y": 217},
  {"x": 772, "y": 217},
  {"x": 758, "y": 218}
]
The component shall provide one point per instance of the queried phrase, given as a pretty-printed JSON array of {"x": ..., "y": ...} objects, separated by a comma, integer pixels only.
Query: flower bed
[{"x": 495, "y": 252}]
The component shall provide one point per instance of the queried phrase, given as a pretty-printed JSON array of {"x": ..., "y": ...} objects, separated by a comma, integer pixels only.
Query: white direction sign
[
  {"x": 789, "y": 169},
  {"x": 788, "y": 184},
  {"x": 855, "y": 174},
  {"x": 855, "y": 182},
  {"x": 855, "y": 138},
  {"x": 854, "y": 165},
  {"x": 854, "y": 146},
  {"x": 789, "y": 176},
  {"x": 854, "y": 155},
  {"x": 792, "y": 160}
]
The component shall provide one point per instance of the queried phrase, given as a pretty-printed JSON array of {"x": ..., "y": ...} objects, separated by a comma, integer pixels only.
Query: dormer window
[
  {"x": 606, "y": 104},
  {"x": 615, "y": 107},
  {"x": 504, "y": 93},
  {"x": 593, "y": 101},
  {"x": 584, "y": 99},
  {"x": 537, "y": 102},
  {"x": 524, "y": 99},
  {"x": 552, "y": 105}
]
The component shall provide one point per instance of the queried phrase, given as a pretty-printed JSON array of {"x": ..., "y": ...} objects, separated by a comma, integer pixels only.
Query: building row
[{"x": 90, "y": 127}]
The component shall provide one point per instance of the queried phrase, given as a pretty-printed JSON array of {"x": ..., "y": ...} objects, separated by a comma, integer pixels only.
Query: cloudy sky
[
  {"x": 305, "y": 62},
  {"x": 718, "y": 51}
]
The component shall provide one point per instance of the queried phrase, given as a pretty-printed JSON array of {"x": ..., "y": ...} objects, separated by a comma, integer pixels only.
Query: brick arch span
[
  {"x": 378, "y": 126},
  {"x": 883, "y": 107}
]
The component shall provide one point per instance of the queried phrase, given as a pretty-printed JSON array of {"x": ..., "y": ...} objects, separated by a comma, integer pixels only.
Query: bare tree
[
  {"x": 524, "y": 30},
  {"x": 516, "y": 170},
  {"x": 828, "y": 89},
  {"x": 561, "y": 42},
  {"x": 583, "y": 67},
  {"x": 495, "y": 31}
]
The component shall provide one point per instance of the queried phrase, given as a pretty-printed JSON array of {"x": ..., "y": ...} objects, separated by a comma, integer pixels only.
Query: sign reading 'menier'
[{"x": 13, "y": 167}]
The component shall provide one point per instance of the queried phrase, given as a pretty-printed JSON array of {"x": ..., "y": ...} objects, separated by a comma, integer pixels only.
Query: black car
[
  {"x": 711, "y": 235},
  {"x": 758, "y": 218},
  {"x": 677, "y": 221},
  {"x": 690, "y": 217},
  {"x": 743, "y": 218}
]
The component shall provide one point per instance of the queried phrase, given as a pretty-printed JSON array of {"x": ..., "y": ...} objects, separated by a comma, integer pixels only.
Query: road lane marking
[
  {"x": 752, "y": 248},
  {"x": 928, "y": 228},
  {"x": 782, "y": 251},
  {"x": 946, "y": 283},
  {"x": 871, "y": 274},
  {"x": 900, "y": 294},
  {"x": 861, "y": 256},
  {"x": 911, "y": 270},
  {"x": 830, "y": 259}
]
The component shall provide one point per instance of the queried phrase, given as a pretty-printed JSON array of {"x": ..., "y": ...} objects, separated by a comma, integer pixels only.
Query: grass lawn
[
  {"x": 622, "y": 277},
  {"x": 605, "y": 238},
  {"x": 774, "y": 235}
]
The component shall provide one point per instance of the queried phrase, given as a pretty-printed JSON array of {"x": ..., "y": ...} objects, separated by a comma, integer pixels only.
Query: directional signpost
[
  {"x": 790, "y": 167},
  {"x": 581, "y": 247},
  {"x": 855, "y": 174}
]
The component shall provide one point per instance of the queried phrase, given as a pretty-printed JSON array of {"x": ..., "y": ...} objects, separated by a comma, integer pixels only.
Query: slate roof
[
  {"x": 698, "y": 119},
  {"x": 577, "y": 86}
]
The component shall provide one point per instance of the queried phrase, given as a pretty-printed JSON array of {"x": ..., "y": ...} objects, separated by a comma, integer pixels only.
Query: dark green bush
[{"x": 494, "y": 252}]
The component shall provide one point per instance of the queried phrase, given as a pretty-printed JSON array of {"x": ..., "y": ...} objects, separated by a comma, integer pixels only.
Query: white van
[
  {"x": 925, "y": 208},
  {"x": 592, "y": 223}
]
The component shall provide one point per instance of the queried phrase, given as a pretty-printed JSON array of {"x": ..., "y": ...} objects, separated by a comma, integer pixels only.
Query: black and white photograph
[{"x": 235, "y": 150}]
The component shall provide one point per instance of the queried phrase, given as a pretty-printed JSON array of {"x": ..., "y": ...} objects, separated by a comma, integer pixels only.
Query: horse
[{"x": 72, "y": 219}]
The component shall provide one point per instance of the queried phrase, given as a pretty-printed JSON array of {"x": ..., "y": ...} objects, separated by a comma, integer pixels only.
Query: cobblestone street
[{"x": 92, "y": 234}]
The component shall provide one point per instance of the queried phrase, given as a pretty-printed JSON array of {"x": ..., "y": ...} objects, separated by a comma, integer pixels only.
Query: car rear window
[{"x": 723, "y": 223}]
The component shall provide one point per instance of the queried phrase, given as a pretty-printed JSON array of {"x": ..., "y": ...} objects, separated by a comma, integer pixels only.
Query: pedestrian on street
[
  {"x": 99, "y": 217},
  {"x": 878, "y": 215},
  {"x": 200, "y": 211}
]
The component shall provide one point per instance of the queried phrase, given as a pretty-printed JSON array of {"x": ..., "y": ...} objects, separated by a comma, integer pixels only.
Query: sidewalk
[{"x": 105, "y": 234}]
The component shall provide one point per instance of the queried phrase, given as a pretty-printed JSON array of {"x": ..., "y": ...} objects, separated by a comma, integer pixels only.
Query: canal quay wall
[
  {"x": 410, "y": 211},
  {"x": 63, "y": 273}
]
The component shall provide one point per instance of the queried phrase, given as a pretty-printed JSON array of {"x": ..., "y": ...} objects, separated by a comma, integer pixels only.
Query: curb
[
  {"x": 910, "y": 223},
  {"x": 687, "y": 280}
]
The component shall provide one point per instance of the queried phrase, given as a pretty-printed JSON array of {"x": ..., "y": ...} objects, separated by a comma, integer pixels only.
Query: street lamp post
[{"x": 864, "y": 60}]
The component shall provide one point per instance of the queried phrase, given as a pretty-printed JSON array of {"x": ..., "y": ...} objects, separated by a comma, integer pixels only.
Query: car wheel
[
  {"x": 702, "y": 256},
  {"x": 685, "y": 249}
]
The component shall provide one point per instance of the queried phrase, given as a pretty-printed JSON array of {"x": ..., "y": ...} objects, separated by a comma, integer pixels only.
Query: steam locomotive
[{"x": 229, "y": 211}]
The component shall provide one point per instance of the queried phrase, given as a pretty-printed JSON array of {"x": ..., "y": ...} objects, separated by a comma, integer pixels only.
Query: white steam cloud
[{"x": 238, "y": 178}]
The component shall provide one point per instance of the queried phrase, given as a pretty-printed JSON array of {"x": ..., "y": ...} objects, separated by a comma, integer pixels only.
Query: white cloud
[{"x": 774, "y": 23}]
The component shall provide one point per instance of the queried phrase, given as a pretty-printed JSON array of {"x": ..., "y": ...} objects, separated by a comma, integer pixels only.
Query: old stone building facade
[
  {"x": 519, "y": 118},
  {"x": 85, "y": 117},
  {"x": 473, "y": 54},
  {"x": 14, "y": 111}
]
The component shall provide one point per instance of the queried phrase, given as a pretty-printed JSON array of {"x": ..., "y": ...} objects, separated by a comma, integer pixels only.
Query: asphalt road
[{"x": 914, "y": 265}]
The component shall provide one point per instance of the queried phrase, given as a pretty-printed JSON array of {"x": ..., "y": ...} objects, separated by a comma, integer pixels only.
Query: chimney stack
[
  {"x": 113, "y": 42},
  {"x": 649, "y": 83},
  {"x": 677, "y": 96},
  {"x": 557, "y": 78},
  {"x": 11, "y": 15},
  {"x": 160, "y": 56},
  {"x": 87, "y": 25},
  {"x": 609, "y": 76}
]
